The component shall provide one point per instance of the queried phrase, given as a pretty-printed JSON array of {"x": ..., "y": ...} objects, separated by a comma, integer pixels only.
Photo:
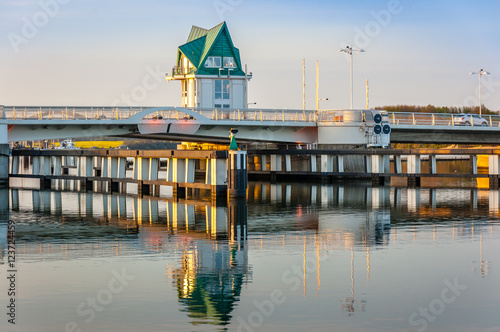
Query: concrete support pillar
[
  {"x": 218, "y": 177},
  {"x": 288, "y": 163},
  {"x": 432, "y": 164},
  {"x": 105, "y": 167},
  {"x": 15, "y": 165},
  {"x": 398, "y": 167},
  {"x": 112, "y": 169},
  {"x": 169, "y": 177},
  {"x": 57, "y": 165},
  {"x": 178, "y": 170},
  {"x": 190, "y": 170},
  {"x": 326, "y": 163},
  {"x": 237, "y": 177},
  {"x": 4, "y": 155},
  {"x": 473, "y": 161},
  {"x": 368, "y": 164},
  {"x": 36, "y": 165},
  {"x": 413, "y": 170},
  {"x": 86, "y": 169},
  {"x": 263, "y": 163},
  {"x": 154, "y": 166},
  {"x": 340, "y": 196},
  {"x": 340, "y": 164},
  {"x": 275, "y": 163},
  {"x": 314, "y": 167},
  {"x": 494, "y": 170},
  {"x": 413, "y": 164}
]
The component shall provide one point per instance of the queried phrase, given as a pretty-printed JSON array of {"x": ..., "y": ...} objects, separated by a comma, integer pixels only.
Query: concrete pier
[{"x": 106, "y": 170}]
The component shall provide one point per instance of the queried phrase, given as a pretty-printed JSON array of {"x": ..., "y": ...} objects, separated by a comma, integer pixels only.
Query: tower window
[
  {"x": 229, "y": 62},
  {"x": 213, "y": 62},
  {"x": 222, "y": 89}
]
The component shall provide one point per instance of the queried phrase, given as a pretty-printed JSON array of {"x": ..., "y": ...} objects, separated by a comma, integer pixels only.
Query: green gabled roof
[
  {"x": 193, "y": 50},
  {"x": 196, "y": 32},
  {"x": 202, "y": 42}
]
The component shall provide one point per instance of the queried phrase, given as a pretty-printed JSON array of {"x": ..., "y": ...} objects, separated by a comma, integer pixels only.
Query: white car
[{"x": 469, "y": 120}]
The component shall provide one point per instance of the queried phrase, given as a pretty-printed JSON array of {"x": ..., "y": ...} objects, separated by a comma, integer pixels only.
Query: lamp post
[
  {"x": 319, "y": 101},
  {"x": 481, "y": 72},
  {"x": 348, "y": 49}
]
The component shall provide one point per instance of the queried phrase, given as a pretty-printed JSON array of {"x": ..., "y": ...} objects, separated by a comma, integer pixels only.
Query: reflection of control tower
[{"x": 212, "y": 271}]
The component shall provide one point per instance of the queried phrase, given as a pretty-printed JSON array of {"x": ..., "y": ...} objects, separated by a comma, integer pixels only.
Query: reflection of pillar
[
  {"x": 15, "y": 199},
  {"x": 35, "y": 194},
  {"x": 314, "y": 194},
  {"x": 237, "y": 219},
  {"x": 45, "y": 196},
  {"x": 216, "y": 220},
  {"x": 237, "y": 177},
  {"x": 340, "y": 195},
  {"x": 153, "y": 211},
  {"x": 57, "y": 203},
  {"x": 433, "y": 198},
  {"x": 413, "y": 199},
  {"x": 397, "y": 197},
  {"x": 493, "y": 201},
  {"x": 122, "y": 207},
  {"x": 276, "y": 192},
  {"x": 473, "y": 199},
  {"x": 114, "y": 205},
  {"x": 288, "y": 194},
  {"x": 105, "y": 205}
]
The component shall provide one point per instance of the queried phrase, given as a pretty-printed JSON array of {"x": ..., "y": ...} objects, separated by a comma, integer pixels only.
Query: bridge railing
[
  {"x": 437, "y": 119},
  {"x": 67, "y": 113}
]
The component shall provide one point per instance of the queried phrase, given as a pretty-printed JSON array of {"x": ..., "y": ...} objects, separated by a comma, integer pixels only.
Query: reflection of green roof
[{"x": 203, "y": 43}]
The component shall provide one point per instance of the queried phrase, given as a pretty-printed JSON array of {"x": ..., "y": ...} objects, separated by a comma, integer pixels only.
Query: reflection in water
[
  {"x": 210, "y": 244},
  {"x": 214, "y": 266}
]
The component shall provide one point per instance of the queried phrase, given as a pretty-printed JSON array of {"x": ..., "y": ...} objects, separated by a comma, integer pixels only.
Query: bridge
[{"x": 254, "y": 125}]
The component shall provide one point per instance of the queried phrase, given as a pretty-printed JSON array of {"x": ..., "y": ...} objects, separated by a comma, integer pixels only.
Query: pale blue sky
[{"x": 91, "y": 52}]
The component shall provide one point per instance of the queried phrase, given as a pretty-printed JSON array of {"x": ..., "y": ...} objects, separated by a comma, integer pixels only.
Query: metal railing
[
  {"x": 440, "y": 119},
  {"x": 333, "y": 117}
]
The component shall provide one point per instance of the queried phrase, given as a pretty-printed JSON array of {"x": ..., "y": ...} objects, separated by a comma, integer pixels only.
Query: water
[{"x": 294, "y": 258}]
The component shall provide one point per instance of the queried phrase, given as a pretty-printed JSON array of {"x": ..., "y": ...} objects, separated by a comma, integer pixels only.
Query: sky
[{"x": 116, "y": 52}]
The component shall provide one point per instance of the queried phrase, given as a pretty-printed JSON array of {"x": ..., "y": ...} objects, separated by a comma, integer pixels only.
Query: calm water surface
[{"x": 292, "y": 258}]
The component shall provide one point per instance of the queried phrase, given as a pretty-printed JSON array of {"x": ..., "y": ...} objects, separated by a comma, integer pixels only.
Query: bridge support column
[
  {"x": 154, "y": 166},
  {"x": 494, "y": 170},
  {"x": 237, "y": 178},
  {"x": 340, "y": 164},
  {"x": 326, "y": 163},
  {"x": 413, "y": 170},
  {"x": 218, "y": 178},
  {"x": 263, "y": 163},
  {"x": 314, "y": 167},
  {"x": 4, "y": 156},
  {"x": 432, "y": 164},
  {"x": 275, "y": 166},
  {"x": 141, "y": 173},
  {"x": 379, "y": 165},
  {"x": 398, "y": 168},
  {"x": 473, "y": 161},
  {"x": 288, "y": 163},
  {"x": 45, "y": 170},
  {"x": 85, "y": 169}
]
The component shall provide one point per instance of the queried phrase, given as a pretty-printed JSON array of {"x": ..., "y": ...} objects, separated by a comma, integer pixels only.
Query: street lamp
[
  {"x": 349, "y": 50},
  {"x": 321, "y": 100},
  {"x": 481, "y": 72}
]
